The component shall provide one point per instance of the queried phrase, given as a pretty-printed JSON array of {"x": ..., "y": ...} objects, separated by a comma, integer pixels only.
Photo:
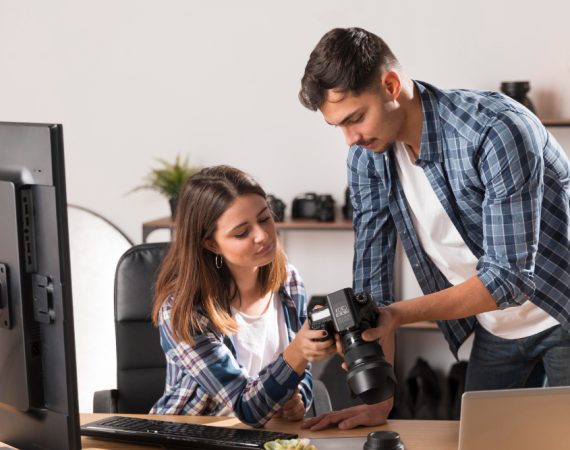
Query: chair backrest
[{"x": 141, "y": 365}]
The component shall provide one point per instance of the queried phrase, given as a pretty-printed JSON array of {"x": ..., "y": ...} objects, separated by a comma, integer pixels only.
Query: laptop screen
[{"x": 517, "y": 419}]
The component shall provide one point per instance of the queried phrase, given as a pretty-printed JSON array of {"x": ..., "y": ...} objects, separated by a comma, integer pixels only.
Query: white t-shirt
[
  {"x": 447, "y": 250},
  {"x": 260, "y": 339}
]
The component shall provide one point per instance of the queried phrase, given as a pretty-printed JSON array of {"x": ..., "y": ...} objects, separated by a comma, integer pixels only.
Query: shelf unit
[
  {"x": 289, "y": 224},
  {"x": 556, "y": 122}
]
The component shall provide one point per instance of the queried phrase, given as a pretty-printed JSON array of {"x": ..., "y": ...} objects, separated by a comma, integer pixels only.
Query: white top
[
  {"x": 260, "y": 339},
  {"x": 447, "y": 250}
]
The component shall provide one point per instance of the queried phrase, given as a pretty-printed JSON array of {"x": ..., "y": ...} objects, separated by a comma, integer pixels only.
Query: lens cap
[{"x": 383, "y": 440}]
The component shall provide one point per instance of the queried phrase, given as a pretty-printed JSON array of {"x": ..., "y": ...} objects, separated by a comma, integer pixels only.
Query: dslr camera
[
  {"x": 369, "y": 375},
  {"x": 313, "y": 206},
  {"x": 277, "y": 208}
]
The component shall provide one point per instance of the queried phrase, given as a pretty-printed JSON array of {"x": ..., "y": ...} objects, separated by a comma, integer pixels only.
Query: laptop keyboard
[{"x": 181, "y": 435}]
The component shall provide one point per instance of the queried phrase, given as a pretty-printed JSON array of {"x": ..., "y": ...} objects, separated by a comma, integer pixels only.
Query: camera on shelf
[
  {"x": 277, "y": 208},
  {"x": 313, "y": 206},
  {"x": 369, "y": 375}
]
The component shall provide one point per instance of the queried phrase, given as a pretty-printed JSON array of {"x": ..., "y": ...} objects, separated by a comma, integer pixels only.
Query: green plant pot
[{"x": 173, "y": 204}]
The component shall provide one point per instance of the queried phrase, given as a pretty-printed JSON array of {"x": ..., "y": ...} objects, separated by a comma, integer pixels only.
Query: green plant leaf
[{"x": 168, "y": 178}]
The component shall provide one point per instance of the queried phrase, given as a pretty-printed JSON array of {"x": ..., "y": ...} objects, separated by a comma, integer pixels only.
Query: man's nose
[{"x": 350, "y": 136}]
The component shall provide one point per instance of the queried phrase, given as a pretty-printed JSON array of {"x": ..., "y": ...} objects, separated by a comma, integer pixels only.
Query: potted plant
[{"x": 168, "y": 179}]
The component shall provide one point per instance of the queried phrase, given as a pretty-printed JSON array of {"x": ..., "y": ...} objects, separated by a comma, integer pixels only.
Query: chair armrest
[
  {"x": 321, "y": 399},
  {"x": 105, "y": 401}
]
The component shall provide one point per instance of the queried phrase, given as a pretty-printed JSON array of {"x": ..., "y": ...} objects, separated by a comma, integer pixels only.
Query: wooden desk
[{"x": 416, "y": 434}]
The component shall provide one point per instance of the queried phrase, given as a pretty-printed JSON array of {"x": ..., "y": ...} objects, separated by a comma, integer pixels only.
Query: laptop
[{"x": 516, "y": 419}]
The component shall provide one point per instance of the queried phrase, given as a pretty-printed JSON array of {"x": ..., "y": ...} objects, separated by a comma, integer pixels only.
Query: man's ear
[
  {"x": 391, "y": 84},
  {"x": 210, "y": 245}
]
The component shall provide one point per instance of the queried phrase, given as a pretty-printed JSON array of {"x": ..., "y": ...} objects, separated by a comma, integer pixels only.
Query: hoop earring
[{"x": 218, "y": 260}]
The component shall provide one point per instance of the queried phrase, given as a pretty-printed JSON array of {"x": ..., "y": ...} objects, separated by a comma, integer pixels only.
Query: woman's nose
[{"x": 260, "y": 234}]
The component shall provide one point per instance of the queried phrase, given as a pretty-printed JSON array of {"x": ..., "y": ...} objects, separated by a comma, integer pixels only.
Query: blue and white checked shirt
[
  {"x": 504, "y": 182},
  {"x": 206, "y": 379}
]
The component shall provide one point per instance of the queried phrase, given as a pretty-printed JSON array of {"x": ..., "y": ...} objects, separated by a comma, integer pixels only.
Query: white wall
[{"x": 132, "y": 80}]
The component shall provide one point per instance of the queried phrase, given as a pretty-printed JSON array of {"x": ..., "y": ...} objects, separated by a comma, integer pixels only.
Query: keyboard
[{"x": 179, "y": 435}]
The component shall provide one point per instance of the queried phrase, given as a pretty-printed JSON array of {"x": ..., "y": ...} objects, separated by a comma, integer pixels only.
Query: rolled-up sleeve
[{"x": 511, "y": 168}]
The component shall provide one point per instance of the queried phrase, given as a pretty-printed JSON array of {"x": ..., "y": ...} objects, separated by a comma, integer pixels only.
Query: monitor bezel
[{"x": 54, "y": 422}]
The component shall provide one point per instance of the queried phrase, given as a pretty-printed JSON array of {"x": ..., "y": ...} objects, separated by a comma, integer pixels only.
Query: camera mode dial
[{"x": 361, "y": 298}]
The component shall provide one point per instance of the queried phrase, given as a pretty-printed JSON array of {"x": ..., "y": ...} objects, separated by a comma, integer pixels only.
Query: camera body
[
  {"x": 342, "y": 311},
  {"x": 325, "y": 208},
  {"x": 305, "y": 206},
  {"x": 313, "y": 206},
  {"x": 277, "y": 207},
  {"x": 369, "y": 375}
]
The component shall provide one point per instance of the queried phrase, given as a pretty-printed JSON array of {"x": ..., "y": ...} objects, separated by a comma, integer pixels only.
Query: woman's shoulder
[
  {"x": 293, "y": 287},
  {"x": 293, "y": 279},
  {"x": 202, "y": 319}
]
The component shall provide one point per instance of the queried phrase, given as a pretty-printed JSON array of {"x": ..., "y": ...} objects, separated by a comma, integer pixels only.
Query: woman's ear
[{"x": 210, "y": 244}]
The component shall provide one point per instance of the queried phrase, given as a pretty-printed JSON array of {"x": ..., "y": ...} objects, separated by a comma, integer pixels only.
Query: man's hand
[
  {"x": 361, "y": 415},
  {"x": 385, "y": 327},
  {"x": 383, "y": 332}
]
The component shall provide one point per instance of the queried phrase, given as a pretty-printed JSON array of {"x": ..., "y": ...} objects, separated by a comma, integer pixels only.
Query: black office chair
[{"x": 141, "y": 365}]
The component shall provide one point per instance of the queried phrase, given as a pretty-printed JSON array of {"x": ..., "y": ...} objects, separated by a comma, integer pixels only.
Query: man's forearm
[{"x": 463, "y": 300}]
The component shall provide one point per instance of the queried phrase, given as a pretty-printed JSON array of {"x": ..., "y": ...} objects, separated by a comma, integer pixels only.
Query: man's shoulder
[{"x": 469, "y": 112}]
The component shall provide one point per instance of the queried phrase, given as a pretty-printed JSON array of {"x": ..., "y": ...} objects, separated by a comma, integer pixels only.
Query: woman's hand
[
  {"x": 304, "y": 349},
  {"x": 293, "y": 409}
]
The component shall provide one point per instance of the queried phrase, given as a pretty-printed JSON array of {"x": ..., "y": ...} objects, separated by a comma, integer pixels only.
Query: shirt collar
[{"x": 431, "y": 146}]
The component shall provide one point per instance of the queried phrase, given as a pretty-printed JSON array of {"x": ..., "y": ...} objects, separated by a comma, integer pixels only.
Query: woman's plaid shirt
[{"x": 206, "y": 379}]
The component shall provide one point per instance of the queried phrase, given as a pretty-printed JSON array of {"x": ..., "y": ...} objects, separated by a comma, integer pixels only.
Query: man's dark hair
[{"x": 347, "y": 60}]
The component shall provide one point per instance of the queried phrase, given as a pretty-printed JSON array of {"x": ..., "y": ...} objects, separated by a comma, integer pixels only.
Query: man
[{"x": 478, "y": 192}]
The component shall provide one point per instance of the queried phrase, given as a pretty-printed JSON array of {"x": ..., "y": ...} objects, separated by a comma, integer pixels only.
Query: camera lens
[
  {"x": 383, "y": 440},
  {"x": 370, "y": 377}
]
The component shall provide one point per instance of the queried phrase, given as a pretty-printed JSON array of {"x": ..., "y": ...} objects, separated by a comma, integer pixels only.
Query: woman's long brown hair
[{"x": 188, "y": 271}]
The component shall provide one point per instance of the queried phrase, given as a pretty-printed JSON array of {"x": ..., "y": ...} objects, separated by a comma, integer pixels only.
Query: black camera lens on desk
[{"x": 383, "y": 440}]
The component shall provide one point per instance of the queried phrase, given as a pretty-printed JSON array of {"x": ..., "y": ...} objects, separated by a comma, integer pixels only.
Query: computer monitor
[{"x": 38, "y": 386}]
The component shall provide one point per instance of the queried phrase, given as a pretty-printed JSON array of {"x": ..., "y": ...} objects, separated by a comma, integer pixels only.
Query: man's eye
[
  {"x": 357, "y": 119},
  {"x": 264, "y": 219}
]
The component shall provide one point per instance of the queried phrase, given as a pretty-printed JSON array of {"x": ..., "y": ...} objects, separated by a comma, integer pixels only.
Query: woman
[{"x": 230, "y": 308}]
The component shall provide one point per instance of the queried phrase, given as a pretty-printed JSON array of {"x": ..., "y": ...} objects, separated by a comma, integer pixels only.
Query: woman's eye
[
  {"x": 241, "y": 235},
  {"x": 357, "y": 119},
  {"x": 264, "y": 219}
]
